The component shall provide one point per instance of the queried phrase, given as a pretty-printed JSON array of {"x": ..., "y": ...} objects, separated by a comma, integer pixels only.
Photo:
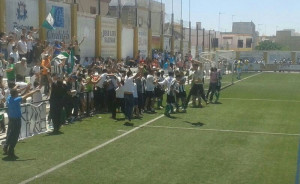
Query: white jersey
[{"x": 171, "y": 84}]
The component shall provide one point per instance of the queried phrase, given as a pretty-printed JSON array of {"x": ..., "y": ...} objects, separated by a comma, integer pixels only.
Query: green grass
[{"x": 180, "y": 149}]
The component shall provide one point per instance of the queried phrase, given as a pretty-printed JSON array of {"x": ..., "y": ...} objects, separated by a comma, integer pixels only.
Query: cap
[{"x": 23, "y": 59}]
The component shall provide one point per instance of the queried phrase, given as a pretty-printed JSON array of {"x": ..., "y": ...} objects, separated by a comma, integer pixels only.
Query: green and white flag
[{"x": 49, "y": 22}]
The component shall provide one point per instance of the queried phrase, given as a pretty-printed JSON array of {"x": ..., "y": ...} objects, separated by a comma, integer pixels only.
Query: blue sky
[{"x": 267, "y": 15}]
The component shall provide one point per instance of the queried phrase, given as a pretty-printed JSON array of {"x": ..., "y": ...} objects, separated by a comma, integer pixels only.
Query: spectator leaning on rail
[{"x": 14, "y": 125}]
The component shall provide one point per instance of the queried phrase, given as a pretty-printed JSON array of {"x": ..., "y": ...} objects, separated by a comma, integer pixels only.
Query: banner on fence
[
  {"x": 127, "y": 42},
  {"x": 143, "y": 42},
  {"x": 33, "y": 120},
  {"x": 62, "y": 22},
  {"x": 109, "y": 37},
  {"x": 87, "y": 31},
  {"x": 22, "y": 14}
]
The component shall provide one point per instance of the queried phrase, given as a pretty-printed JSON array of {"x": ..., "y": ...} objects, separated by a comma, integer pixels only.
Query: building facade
[{"x": 289, "y": 39}]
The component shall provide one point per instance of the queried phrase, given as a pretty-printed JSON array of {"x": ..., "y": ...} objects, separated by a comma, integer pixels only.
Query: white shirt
[
  {"x": 102, "y": 79},
  {"x": 1, "y": 69},
  {"x": 36, "y": 69},
  {"x": 170, "y": 83},
  {"x": 32, "y": 79},
  {"x": 6, "y": 93},
  {"x": 150, "y": 83},
  {"x": 15, "y": 55},
  {"x": 9, "y": 47},
  {"x": 120, "y": 92},
  {"x": 22, "y": 47},
  {"x": 128, "y": 84},
  {"x": 29, "y": 43},
  {"x": 37, "y": 97},
  {"x": 135, "y": 94}
]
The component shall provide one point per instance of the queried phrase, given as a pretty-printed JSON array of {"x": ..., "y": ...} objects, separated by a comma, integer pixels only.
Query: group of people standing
[{"x": 97, "y": 86}]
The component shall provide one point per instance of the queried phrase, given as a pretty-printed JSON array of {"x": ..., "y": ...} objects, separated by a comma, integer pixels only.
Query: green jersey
[{"x": 11, "y": 75}]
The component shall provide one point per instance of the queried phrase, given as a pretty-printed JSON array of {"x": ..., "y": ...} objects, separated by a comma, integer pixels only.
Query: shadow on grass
[
  {"x": 120, "y": 119},
  {"x": 150, "y": 112},
  {"x": 199, "y": 124},
  {"x": 54, "y": 133},
  {"x": 12, "y": 159},
  {"x": 139, "y": 118},
  {"x": 128, "y": 124},
  {"x": 172, "y": 117}
]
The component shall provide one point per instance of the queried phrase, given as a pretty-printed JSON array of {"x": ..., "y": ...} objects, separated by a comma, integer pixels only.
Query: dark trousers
[
  {"x": 97, "y": 99},
  {"x": 56, "y": 114},
  {"x": 212, "y": 90},
  {"x": 141, "y": 101},
  {"x": 13, "y": 132},
  {"x": 21, "y": 56},
  {"x": 120, "y": 104},
  {"x": 29, "y": 56},
  {"x": 102, "y": 100},
  {"x": 111, "y": 102},
  {"x": 2, "y": 123},
  {"x": 20, "y": 78},
  {"x": 68, "y": 105},
  {"x": 45, "y": 83},
  {"x": 76, "y": 103},
  {"x": 196, "y": 90},
  {"x": 128, "y": 98}
]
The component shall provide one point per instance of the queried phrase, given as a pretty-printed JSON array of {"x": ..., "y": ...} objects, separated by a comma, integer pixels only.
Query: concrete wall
[{"x": 243, "y": 28}]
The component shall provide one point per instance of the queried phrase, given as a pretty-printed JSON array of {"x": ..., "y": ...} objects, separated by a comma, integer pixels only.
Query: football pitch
[{"x": 250, "y": 137}]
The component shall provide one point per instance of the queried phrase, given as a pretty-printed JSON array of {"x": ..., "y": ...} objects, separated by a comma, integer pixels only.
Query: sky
[{"x": 267, "y": 15}]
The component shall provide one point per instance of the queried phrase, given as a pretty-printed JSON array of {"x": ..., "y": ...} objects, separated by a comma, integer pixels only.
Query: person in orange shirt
[{"x": 46, "y": 67}]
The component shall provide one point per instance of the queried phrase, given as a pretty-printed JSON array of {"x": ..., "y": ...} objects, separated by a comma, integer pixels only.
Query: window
[
  {"x": 93, "y": 10},
  {"x": 248, "y": 42},
  {"x": 240, "y": 43}
]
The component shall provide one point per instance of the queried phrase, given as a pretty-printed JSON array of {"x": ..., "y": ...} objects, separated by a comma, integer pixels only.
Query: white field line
[
  {"x": 229, "y": 131},
  {"x": 248, "y": 77},
  {"x": 267, "y": 100},
  {"x": 100, "y": 146},
  {"x": 89, "y": 151}
]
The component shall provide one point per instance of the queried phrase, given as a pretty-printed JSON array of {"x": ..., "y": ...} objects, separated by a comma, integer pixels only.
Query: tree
[{"x": 269, "y": 45}]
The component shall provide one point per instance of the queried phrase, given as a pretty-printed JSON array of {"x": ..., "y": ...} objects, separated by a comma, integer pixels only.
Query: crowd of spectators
[{"x": 77, "y": 87}]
